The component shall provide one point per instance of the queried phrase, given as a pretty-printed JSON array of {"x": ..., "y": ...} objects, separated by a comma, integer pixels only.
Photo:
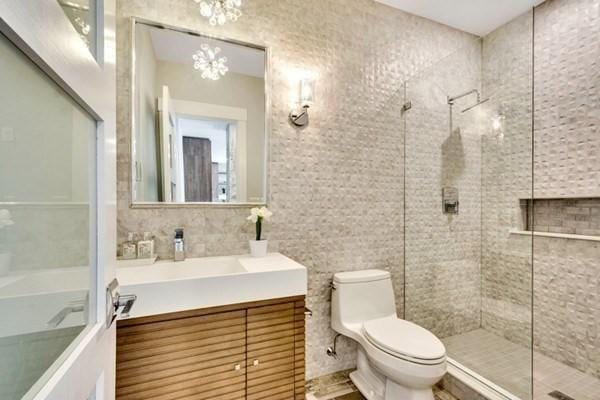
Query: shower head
[
  {"x": 452, "y": 100},
  {"x": 479, "y": 102}
]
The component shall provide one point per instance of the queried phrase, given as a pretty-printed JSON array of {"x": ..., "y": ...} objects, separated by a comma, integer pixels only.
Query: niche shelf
[
  {"x": 564, "y": 218},
  {"x": 556, "y": 235}
]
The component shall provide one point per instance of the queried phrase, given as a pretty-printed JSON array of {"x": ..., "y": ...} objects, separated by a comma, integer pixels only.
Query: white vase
[
  {"x": 258, "y": 248},
  {"x": 4, "y": 263}
]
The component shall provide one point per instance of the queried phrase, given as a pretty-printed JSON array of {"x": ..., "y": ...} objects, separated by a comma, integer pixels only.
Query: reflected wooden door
[{"x": 197, "y": 169}]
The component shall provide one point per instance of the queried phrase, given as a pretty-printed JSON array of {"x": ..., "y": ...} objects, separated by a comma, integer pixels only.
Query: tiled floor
[
  {"x": 338, "y": 386},
  {"x": 509, "y": 365}
]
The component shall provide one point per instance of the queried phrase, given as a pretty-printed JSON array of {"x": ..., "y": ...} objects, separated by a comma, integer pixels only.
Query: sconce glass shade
[{"x": 307, "y": 92}]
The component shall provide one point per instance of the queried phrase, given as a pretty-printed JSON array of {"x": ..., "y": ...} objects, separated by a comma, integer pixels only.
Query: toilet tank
[{"x": 360, "y": 296}]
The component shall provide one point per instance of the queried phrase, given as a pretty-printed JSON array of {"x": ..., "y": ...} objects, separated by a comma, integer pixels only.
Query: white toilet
[{"x": 397, "y": 360}]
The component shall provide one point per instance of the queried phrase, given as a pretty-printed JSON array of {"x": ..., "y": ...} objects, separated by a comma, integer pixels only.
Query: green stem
[{"x": 258, "y": 228}]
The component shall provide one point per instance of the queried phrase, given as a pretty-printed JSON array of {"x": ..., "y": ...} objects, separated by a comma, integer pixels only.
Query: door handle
[{"x": 117, "y": 304}]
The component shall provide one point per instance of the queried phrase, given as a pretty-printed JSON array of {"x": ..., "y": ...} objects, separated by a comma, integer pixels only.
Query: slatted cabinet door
[
  {"x": 182, "y": 356},
  {"x": 274, "y": 351},
  {"x": 252, "y": 351}
]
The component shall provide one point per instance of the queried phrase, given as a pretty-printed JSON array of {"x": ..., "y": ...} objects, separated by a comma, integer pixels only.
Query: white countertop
[
  {"x": 167, "y": 287},
  {"x": 34, "y": 298}
]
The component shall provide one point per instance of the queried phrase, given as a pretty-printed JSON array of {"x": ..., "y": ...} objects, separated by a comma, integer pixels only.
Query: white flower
[
  {"x": 5, "y": 219},
  {"x": 262, "y": 212}
]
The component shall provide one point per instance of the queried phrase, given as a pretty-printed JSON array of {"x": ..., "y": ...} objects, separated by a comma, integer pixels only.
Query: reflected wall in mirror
[{"x": 199, "y": 120}]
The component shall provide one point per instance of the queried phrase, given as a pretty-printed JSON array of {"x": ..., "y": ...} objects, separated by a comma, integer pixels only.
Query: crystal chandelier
[
  {"x": 207, "y": 61},
  {"x": 220, "y": 11}
]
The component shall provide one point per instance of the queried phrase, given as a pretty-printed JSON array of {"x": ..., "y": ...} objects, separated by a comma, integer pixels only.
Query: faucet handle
[{"x": 179, "y": 233}]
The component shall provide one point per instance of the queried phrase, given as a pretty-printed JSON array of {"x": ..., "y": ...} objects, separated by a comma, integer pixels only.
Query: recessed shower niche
[{"x": 571, "y": 217}]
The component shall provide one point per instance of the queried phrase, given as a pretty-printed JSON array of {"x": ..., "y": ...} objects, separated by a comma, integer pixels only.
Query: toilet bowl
[{"x": 397, "y": 359}]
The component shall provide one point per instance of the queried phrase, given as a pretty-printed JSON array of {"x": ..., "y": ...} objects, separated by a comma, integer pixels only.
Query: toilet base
[{"x": 375, "y": 386}]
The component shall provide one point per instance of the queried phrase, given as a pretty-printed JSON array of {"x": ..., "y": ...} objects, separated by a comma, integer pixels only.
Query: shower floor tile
[{"x": 509, "y": 365}]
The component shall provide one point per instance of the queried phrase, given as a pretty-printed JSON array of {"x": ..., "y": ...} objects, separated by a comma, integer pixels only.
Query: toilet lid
[{"x": 404, "y": 339}]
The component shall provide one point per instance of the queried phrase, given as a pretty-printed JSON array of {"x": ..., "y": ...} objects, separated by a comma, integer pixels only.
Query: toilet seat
[{"x": 405, "y": 340}]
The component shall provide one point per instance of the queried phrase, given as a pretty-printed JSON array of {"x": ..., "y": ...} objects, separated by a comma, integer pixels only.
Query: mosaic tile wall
[
  {"x": 567, "y": 302},
  {"x": 443, "y": 250},
  {"x": 566, "y": 273},
  {"x": 506, "y": 178},
  {"x": 337, "y": 187},
  {"x": 567, "y": 164},
  {"x": 567, "y": 87}
]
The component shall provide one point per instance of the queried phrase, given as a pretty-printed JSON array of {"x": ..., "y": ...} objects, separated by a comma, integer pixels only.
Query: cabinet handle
[
  {"x": 238, "y": 367},
  {"x": 256, "y": 362}
]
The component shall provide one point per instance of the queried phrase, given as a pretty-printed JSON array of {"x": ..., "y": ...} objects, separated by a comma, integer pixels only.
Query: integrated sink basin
[
  {"x": 188, "y": 269},
  {"x": 167, "y": 287}
]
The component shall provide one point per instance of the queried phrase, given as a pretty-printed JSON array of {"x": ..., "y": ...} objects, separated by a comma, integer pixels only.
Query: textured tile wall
[
  {"x": 567, "y": 94},
  {"x": 566, "y": 273},
  {"x": 567, "y": 164},
  {"x": 567, "y": 302},
  {"x": 507, "y": 177},
  {"x": 443, "y": 250},
  {"x": 337, "y": 187}
]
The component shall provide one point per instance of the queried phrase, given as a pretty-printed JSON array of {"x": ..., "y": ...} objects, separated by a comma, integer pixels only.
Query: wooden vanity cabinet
[{"x": 250, "y": 351}]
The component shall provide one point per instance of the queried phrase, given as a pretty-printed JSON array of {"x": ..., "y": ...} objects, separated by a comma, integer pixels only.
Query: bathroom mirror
[{"x": 199, "y": 121}]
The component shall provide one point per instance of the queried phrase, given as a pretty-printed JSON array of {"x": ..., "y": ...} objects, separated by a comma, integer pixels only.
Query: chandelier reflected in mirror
[
  {"x": 219, "y": 12},
  {"x": 208, "y": 62}
]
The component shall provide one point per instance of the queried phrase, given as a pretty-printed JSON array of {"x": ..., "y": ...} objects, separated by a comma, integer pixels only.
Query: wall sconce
[
  {"x": 498, "y": 125},
  {"x": 496, "y": 122},
  {"x": 299, "y": 117}
]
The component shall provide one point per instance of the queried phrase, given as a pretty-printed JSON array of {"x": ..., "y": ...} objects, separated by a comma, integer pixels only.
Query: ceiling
[
  {"x": 478, "y": 17},
  {"x": 178, "y": 47}
]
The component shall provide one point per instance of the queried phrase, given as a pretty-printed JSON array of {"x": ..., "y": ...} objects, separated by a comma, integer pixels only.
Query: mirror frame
[{"x": 132, "y": 117}]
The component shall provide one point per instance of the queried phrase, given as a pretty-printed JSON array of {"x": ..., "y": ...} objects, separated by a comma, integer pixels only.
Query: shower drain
[{"x": 560, "y": 395}]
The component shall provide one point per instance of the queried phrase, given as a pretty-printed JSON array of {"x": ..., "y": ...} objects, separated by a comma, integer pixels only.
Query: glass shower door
[
  {"x": 468, "y": 174},
  {"x": 47, "y": 154}
]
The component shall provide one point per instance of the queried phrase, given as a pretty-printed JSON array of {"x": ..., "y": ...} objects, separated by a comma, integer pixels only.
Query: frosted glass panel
[{"x": 46, "y": 162}]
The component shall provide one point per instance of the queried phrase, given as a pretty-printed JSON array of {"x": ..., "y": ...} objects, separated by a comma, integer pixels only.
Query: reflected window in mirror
[{"x": 199, "y": 122}]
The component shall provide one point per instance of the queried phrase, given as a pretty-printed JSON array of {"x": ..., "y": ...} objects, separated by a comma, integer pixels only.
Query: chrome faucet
[{"x": 179, "y": 246}]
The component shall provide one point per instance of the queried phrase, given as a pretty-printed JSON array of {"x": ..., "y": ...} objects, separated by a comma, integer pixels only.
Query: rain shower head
[
  {"x": 479, "y": 102},
  {"x": 452, "y": 100}
]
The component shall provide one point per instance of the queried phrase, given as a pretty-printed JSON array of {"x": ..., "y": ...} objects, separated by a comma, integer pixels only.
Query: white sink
[
  {"x": 209, "y": 282},
  {"x": 188, "y": 269},
  {"x": 34, "y": 298}
]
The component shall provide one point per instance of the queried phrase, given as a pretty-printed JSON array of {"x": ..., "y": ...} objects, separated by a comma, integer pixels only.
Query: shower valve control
[{"x": 450, "y": 200}]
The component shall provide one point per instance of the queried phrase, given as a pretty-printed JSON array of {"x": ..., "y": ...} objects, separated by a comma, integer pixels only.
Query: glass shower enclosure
[
  {"x": 502, "y": 205},
  {"x": 468, "y": 167}
]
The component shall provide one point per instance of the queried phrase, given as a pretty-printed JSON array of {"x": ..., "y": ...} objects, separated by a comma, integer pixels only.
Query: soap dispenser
[
  {"x": 129, "y": 249},
  {"x": 145, "y": 247}
]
